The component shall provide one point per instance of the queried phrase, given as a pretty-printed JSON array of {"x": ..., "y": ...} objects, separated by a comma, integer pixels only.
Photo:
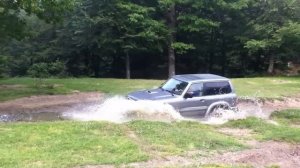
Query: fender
[{"x": 224, "y": 103}]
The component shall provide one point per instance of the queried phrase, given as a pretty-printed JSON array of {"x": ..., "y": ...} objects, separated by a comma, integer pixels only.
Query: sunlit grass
[
  {"x": 288, "y": 117},
  {"x": 11, "y": 88},
  {"x": 66, "y": 144},
  {"x": 282, "y": 131},
  {"x": 182, "y": 136},
  {"x": 267, "y": 87},
  {"x": 69, "y": 144}
]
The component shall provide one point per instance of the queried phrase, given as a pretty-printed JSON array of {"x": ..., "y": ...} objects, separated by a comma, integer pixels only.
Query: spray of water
[
  {"x": 247, "y": 107},
  {"x": 118, "y": 109}
]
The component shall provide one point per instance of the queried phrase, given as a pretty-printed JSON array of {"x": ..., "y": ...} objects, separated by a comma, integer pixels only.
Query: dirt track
[
  {"x": 58, "y": 103},
  {"x": 52, "y": 103},
  {"x": 262, "y": 154}
]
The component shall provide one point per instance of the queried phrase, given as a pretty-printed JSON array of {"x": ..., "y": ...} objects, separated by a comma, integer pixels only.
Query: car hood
[{"x": 154, "y": 94}]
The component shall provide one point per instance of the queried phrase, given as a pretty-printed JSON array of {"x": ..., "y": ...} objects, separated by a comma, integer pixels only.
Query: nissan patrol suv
[{"x": 193, "y": 95}]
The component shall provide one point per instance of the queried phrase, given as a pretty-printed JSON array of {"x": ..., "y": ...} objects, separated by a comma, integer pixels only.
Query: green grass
[
  {"x": 182, "y": 136},
  {"x": 287, "y": 117},
  {"x": 267, "y": 87},
  {"x": 11, "y": 88},
  {"x": 267, "y": 131},
  {"x": 69, "y": 144},
  {"x": 65, "y": 144}
]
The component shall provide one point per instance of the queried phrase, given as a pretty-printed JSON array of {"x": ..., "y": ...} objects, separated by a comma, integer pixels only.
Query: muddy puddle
[
  {"x": 31, "y": 117},
  {"x": 117, "y": 109}
]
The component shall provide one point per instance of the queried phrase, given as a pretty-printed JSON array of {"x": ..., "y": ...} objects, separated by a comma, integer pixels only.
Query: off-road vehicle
[{"x": 193, "y": 94}]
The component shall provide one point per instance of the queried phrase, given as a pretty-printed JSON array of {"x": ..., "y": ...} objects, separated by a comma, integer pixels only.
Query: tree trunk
[
  {"x": 171, "y": 55},
  {"x": 127, "y": 66},
  {"x": 271, "y": 64},
  {"x": 224, "y": 56},
  {"x": 171, "y": 20},
  {"x": 96, "y": 66},
  {"x": 211, "y": 55}
]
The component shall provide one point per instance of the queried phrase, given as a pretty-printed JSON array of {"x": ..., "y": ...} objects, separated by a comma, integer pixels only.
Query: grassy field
[
  {"x": 11, "y": 88},
  {"x": 69, "y": 144},
  {"x": 287, "y": 129},
  {"x": 267, "y": 87}
]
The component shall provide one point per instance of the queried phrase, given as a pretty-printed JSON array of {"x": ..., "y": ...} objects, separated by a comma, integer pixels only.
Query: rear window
[{"x": 216, "y": 88}]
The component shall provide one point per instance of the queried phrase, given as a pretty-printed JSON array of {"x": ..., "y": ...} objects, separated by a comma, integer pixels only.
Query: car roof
[{"x": 199, "y": 77}]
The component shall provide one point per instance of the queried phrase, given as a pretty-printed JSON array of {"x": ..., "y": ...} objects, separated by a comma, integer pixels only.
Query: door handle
[{"x": 202, "y": 100}]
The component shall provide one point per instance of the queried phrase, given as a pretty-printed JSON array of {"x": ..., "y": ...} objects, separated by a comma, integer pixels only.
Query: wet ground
[
  {"x": 259, "y": 154},
  {"x": 44, "y": 108},
  {"x": 55, "y": 107}
]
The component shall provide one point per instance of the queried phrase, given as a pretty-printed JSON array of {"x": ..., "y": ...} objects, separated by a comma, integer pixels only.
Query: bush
[
  {"x": 3, "y": 65},
  {"x": 39, "y": 70},
  {"x": 45, "y": 70}
]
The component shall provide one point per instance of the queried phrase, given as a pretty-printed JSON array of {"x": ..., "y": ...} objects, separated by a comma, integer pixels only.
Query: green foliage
[
  {"x": 274, "y": 18},
  {"x": 3, "y": 65},
  {"x": 233, "y": 38},
  {"x": 12, "y": 14},
  {"x": 182, "y": 48},
  {"x": 255, "y": 45},
  {"x": 44, "y": 70},
  {"x": 193, "y": 23},
  {"x": 39, "y": 70},
  {"x": 290, "y": 36}
]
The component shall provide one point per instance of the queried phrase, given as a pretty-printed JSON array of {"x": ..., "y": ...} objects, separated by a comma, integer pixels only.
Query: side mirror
[{"x": 188, "y": 95}]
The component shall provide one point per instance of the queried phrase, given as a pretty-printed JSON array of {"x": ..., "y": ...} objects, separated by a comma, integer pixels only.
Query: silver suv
[{"x": 193, "y": 95}]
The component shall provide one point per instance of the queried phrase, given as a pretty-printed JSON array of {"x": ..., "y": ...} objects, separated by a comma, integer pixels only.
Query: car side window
[
  {"x": 197, "y": 89},
  {"x": 216, "y": 88}
]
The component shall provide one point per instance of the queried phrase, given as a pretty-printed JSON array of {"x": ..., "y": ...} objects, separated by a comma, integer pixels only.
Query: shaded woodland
[{"x": 147, "y": 38}]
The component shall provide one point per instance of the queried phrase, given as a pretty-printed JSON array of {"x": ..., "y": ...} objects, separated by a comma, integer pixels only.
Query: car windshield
[{"x": 174, "y": 86}]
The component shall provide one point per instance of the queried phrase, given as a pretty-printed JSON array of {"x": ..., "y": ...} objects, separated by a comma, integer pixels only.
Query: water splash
[
  {"x": 118, "y": 109},
  {"x": 247, "y": 107}
]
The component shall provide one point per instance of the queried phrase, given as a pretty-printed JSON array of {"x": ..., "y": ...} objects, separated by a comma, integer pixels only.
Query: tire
[{"x": 217, "y": 110}]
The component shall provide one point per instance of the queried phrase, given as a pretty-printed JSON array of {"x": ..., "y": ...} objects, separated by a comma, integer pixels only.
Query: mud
[
  {"x": 262, "y": 154},
  {"x": 44, "y": 108}
]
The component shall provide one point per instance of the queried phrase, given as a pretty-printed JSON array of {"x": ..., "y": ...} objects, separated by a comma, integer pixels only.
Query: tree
[
  {"x": 137, "y": 29},
  {"x": 135, "y": 37},
  {"x": 266, "y": 22},
  {"x": 12, "y": 14}
]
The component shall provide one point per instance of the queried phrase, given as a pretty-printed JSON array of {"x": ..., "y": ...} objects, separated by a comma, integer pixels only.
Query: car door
[{"x": 195, "y": 106}]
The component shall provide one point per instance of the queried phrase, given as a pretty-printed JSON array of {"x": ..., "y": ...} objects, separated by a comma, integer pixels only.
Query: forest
[{"x": 148, "y": 38}]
